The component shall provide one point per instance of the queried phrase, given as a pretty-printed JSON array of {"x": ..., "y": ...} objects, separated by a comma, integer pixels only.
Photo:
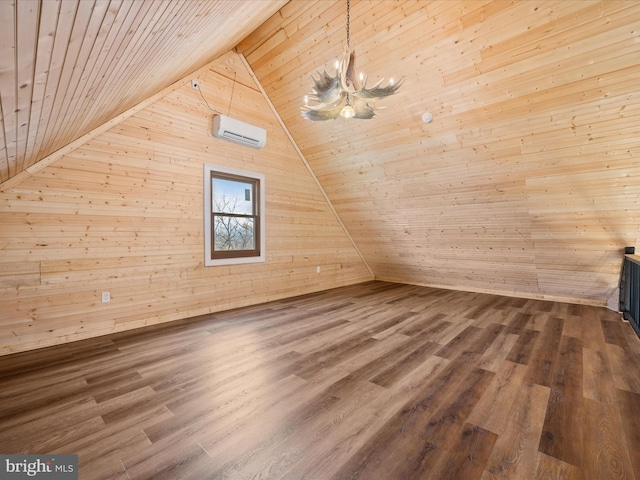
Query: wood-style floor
[{"x": 374, "y": 381}]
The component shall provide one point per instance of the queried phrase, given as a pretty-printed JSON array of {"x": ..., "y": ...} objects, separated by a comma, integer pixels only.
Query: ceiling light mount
[{"x": 344, "y": 94}]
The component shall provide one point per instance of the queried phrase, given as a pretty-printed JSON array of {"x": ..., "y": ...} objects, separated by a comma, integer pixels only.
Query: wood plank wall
[
  {"x": 124, "y": 214},
  {"x": 526, "y": 183}
]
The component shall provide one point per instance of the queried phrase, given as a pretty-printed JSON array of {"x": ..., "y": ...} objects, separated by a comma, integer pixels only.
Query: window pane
[
  {"x": 233, "y": 233},
  {"x": 234, "y": 221},
  {"x": 230, "y": 196}
]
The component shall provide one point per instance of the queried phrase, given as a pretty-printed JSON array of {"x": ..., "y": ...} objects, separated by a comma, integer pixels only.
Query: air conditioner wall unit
[{"x": 239, "y": 132}]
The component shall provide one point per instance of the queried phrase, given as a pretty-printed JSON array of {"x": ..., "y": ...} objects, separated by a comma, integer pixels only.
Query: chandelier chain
[{"x": 348, "y": 15}]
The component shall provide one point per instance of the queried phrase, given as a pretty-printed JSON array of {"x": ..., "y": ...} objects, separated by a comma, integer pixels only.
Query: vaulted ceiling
[
  {"x": 69, "y": 66},
  {"x": 527, "y": 181}
]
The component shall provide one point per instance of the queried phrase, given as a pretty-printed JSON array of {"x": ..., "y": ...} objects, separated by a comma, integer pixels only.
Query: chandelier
[{"x": 344, "y": 94}]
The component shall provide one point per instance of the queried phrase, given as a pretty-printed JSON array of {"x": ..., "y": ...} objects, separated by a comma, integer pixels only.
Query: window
[{"x": 233, "y": 216}]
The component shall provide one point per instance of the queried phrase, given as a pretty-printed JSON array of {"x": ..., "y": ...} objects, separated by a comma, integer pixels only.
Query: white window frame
[{"x": 211, "y": 262}]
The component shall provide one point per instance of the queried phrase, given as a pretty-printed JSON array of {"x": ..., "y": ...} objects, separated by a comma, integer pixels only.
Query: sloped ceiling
[
  {"x": 527, "y": 181},
  {"x": 69, "y": 66}
]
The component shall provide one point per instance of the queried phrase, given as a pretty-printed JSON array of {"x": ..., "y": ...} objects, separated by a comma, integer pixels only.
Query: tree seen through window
[{"x": 234, "y": 212}]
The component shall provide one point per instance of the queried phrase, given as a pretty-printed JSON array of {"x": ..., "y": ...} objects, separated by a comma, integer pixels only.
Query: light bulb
[
  {"x": 347, "y": 111},
  {"x": 391, "y": 81},
  {"x": 306, "y": 101}
]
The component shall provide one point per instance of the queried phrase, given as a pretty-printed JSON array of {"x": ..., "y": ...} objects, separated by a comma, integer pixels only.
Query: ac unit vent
[{"x": 239, "y": 132}]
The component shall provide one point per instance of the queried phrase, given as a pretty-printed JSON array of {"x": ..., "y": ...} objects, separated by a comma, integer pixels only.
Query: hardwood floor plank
[
  {"x": 489, "y": 412},
  {"x": 64, "y": 434},
  {"x": 597, "y": 380},
  {"x": 518, "y": 323},
  {"x": 479, "y": 311},
  {"x": 608, "y": 454},
  {"x": 300, "y": 334},
  {"x": 629, "y": 405},
  {"x": 513, "y": 302},
  {"x": 488, "y": 337},
  {"x": 514, "y": 455},
  {"x": 425, "y": 323},
  {"x": 15, "y": 399},
  {"x": 539, "y": 306},
  {"x": 465, "y": 456},
  {"x": 447, "y": 427},
  {"x": 625, "y": 365},
  {"x": 463, "y": 342},
  {"x": 544, "y": 356},
  {"x": 136, "y": 407},
  {"x": 409, "y": 362},
  {"x": 562, "y": 435},
  {"x": 573, "y": 326},
  {"x": 56, "y": 357},
  {"x": 492, "y": 316},
  {"x": 381, "y": 356},
  {"x": 449, "y": 333},
  {"x": 522, "y": 351},
  {"x": 390, "y": 323},
  {"x": 21, "y": 422},
  {"x": 592, "y": 334},
  {"x": 313, "y": 363},
  {"x": 538, "y": 321},
  {"x": 101, "y": 452},
  {"x": 613, "y": 333},
  {"x": 549, "y": 468},
  {"x": 495, "y": 356},
  {"x": 183, "y": 460},
  {"x": 373, "y": 381}
]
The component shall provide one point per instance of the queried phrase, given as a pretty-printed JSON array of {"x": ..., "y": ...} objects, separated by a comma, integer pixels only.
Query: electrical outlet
[
  {"x": 106, "y": 297},
  {"x": 195, "y": 84},
  {"x": 317, "y": 269}
]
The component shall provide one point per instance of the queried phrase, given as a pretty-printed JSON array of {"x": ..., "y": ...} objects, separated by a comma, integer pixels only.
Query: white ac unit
[{"x": 236, "y": 131}]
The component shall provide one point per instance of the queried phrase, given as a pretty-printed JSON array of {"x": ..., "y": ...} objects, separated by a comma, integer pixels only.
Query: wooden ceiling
[
  {"x": 69, "y": 66},
  {"x": 527, "y": 181}
]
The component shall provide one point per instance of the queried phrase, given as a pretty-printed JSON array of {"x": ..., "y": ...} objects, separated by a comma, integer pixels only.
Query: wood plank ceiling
[
  {"x": 69, "y": 66},
  {"x": 527, "y": 182}
]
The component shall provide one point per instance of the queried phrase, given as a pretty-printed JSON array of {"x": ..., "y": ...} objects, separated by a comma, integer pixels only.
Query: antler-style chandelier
[{"x": 344, "y": 94}]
